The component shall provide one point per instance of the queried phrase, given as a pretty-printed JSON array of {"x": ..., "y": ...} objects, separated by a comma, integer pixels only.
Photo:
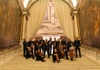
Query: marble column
[
  {"x": 24, "y": 27},
  {"x": 76, "y": 31},
  {"x": 23, "y": 30},
  {"x": 24, "y": 24}
]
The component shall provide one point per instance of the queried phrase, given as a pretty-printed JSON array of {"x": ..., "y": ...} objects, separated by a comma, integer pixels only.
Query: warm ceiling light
[
  {"x": 25, "y": 3},
  {"x": 74, "y": 3}
]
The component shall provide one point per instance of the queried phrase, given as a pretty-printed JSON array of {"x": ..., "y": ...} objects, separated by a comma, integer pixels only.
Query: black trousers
[
  {"x": 50, "y": 49},
  {"x": 39, "y": 58},
  {"x": 24, "y": 52},
  {"x": 54, "y": 58},
  {"x": 28, "y": 55},
  {"x": 66, "y": 53},
  {"x": 78, "y": 49},
  {"x": 35, "y": 52},
  {"x": 44, "y": 50}
]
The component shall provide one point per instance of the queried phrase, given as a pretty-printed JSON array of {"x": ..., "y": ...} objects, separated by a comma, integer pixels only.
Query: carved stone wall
[
  {"x": 90, "y": 22},
  {"x": 10, "y": 23}
]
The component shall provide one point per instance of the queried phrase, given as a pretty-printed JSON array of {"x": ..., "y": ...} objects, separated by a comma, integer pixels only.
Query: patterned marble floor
[{"x": 18, "y": 62}]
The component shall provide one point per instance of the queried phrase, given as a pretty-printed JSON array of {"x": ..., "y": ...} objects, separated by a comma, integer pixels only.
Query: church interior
[{"x": 29, "y": 20}]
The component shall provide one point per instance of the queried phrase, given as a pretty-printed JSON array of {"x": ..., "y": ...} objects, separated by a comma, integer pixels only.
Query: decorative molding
[
  {"x": 79, "y": 3},
  {"x": 69, "y": 4},
  {"x": 26, "y": 12},
  {"x": 21, "y": 5},
  {"x": 31, "y": 3},
  {"x": 73, "y": 12}
]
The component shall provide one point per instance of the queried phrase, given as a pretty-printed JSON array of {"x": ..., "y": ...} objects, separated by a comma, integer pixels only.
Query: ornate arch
[{"x": 32, "y": 2}]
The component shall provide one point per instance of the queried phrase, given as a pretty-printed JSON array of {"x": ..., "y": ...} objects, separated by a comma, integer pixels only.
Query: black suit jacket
[
  {"x": 69, "y": 44},
  {"x": 77, "y": 43}
]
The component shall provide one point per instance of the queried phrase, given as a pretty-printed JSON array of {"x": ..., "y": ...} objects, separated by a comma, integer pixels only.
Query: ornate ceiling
[
  {"x": 70, "y": 2},
  {"x": 30, "y": 2}
]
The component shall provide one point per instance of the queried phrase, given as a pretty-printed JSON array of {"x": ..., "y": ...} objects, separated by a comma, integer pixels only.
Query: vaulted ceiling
[
  {"x": 30, "y": 2},
  {"x": 72, "y": 3}
]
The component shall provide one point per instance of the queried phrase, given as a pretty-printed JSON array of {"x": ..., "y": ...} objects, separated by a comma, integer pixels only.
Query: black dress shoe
[
  {"x": 32, "y": 57},
  {"x": 49, "y": 57},
  {"x": 43, "y": 61},
  {"x": 71, "y": 58},
  {"x": 54, "y": 61},
  {"x": 67, "y": 58},
  {"x": 75, "y": 57},
  {"x": 26, "y": 58}
]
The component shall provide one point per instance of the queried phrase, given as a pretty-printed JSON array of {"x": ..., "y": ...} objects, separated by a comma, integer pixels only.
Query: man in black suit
[
  {"x": 54, "y": 44},
  {"x": 63, "y": 43},
  {"x": 69, "y": 44},
  {"x": 55, "y": 56},
  {"x": 46, "y": 48},
  {"x": 39, "y": 56},
  {"x": 24, "y": 47},
  {"x": 50, "y": 43},
  {"x": 77, "y": 45},
  {"x": 30, "y": 42},
  {"x": 29, "y": 50}
]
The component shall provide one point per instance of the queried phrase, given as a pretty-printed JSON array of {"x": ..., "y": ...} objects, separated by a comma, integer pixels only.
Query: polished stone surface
[{"x": 18, "y": 62}]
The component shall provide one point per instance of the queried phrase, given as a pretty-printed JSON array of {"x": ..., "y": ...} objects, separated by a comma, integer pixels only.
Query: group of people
[{"x": 37, "y": 48}]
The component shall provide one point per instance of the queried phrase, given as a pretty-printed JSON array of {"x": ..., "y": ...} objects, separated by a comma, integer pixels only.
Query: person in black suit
[
  {"x": 33, "y": 50},
  {"x": 29, "y": 52},
  {"x": 50, "y": 43},
  {"x": 58, "y": 45},
  {"x": 36, "y": 43},
  {"x": 36, "y": 47},
  {"x": 30, "y": 42},
  {"x": 43, "y": 44},
  {"x": 55, "y": 56},
  {"x": 46, "y": 48},
  {"x": 54, "y": 44},
  {"x": 24, "y": 47},
  {"x": 77, "y": 45},
  {"x": 63, "y": 43},
  {"x": 29, "y": 49},
  {"x": 39, "y": 56},
  {"x": 69, "y": 44}
]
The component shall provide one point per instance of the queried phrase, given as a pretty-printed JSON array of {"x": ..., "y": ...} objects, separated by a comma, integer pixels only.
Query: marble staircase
[{"x": 15, "y": 61}]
